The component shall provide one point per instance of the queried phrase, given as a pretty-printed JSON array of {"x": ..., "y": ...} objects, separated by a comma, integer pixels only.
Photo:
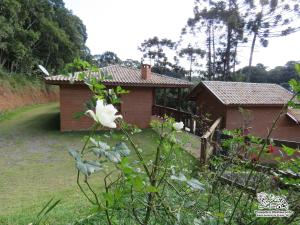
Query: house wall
[
  {"x": 260, "y": 120},
  {"x": 207, "y": 103},
  {"x": 136, "y": 107},
  {"x": 72, "y": 100}
]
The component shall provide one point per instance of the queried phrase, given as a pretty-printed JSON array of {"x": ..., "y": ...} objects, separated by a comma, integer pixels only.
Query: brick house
[
  {"x": 261, "y": 103},
  {"x": 136, "y": 107}
]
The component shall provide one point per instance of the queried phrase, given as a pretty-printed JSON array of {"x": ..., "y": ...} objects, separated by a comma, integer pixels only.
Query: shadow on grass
[{"x": 45, "y": 122}]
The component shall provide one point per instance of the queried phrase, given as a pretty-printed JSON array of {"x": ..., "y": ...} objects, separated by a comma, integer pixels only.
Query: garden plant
[{"x": 163, "y": 190}]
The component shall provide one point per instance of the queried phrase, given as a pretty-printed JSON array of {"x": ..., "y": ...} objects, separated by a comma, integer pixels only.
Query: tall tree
[
  {"x": 270, "y": 18},
  {"x": 224, "y": 17},
  {"x": 154, "y": 49},
  {"x": 106, "y": 59},
  {"x": 191, "y": 54}
]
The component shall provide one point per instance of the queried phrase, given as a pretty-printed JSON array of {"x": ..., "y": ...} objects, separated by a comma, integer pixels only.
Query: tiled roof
[
  {"x": 125, "y": 76},
  {"x": 294, "y": 114},
  {"x": 242, "y": 93}
]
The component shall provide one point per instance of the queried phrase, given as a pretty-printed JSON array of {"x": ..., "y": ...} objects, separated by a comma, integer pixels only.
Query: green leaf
[
  {"x": 99, "y": 147},
  {"x": 81, "y": 167},
  {"x": 138, "y": 183},
  {"x": 151, "y": 189},
  {"x": 78, "y": 115},
  {"x": 289, "y": 151},
  {"x": 92, "y": 166},
  {"x": 81, "y": 76},
  {"x": 195, "y": 185},
  {"x": 122, "y": 149},
  {"x": 88, "y": 167},
  {"x": 75, "y": 154},
  {"x": 297, "y": 68},
  {"x": 181, "y": 177},
  {"x": 113, "y": 156}
]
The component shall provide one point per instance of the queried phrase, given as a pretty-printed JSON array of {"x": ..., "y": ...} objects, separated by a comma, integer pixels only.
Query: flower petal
[
  {"x": 99, "y": 107},
  {"x": 111, "y": 109},
  {"x": 92, "y": 114}
]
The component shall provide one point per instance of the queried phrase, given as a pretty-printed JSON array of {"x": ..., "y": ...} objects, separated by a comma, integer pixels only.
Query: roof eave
[
  {"x": 255, "y": 105},
  {"x": 62, "y": 82}
]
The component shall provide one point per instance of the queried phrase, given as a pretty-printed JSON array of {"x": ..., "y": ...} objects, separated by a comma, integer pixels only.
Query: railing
[
  {"x": 189, "y": 120},
  {"x": 207, "y": 141}
]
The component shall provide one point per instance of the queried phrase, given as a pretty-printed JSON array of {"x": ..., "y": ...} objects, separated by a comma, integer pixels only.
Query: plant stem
[
  {"x": 136, "y": 151},
  {"x": 152, "y": 178}
]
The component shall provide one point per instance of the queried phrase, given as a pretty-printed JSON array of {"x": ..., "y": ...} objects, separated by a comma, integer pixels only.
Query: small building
[
  {"x": 251, "y": 106},
  {"x": 136, "y": 106}
]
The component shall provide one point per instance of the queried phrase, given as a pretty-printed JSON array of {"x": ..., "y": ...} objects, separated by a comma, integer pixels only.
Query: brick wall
[
  {"x": 260, "y": 121},
  {"x": 136, "y": 107},
  {"x": 72, "y": 99}
]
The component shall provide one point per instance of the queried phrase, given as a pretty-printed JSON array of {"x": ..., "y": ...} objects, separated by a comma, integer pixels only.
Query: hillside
[{"x": 18, "y": 91}]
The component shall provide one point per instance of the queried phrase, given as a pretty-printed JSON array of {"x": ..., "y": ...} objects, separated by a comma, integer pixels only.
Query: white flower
[
  {"x": 178, "y": 126},
  {"x": 187, "y": 129},
  {"x": 105, "y": 114}
]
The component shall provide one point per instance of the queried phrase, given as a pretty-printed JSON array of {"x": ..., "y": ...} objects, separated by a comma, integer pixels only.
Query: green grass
[{"x": 35, "y": 166}]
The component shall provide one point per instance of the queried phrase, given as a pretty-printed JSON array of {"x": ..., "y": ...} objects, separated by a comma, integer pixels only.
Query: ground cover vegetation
[{"x": 35, "y": 166}]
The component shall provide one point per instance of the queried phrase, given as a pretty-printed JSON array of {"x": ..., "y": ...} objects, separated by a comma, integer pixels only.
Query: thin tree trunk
[
  {"x": 209, "y": 52},
  {"x": 234, "y": 59},
  {"x": 191, "y": 62},
  {"x": 214, "y": 53},
  {"x": 227, "y": 54},
  {"x": 251, "y": 56}
]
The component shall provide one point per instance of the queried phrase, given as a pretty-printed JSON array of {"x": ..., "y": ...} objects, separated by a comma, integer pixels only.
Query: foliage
[
  {"x": 39, "y": 32},
  {"x": 41, "y": 216},
  {"x": 191, "y": 54},
  {"x": 155, "y": 52},
  {"x": 259, "y": 74},
  {"x": 231, "y": 24},
  {"x": 106, "y": 59}
]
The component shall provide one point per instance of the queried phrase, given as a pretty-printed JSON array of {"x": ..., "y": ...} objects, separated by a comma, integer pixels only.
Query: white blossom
[
  {"x": 105, "y": 114},
  {"x": 178, "y": 126}
]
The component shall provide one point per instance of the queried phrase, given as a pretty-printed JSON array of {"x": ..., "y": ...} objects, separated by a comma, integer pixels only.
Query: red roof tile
[
  {"x": 242, "y": 93},
  {"x": 294, "y": 114},
  {"x": 126, "y": 76}
]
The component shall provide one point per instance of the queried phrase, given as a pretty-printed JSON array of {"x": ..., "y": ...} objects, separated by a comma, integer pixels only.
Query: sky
[{"x": 122, "y": 25}]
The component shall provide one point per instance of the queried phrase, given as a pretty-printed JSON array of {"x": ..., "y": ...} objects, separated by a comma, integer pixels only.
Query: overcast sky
[{"x": 121, "y": 25}]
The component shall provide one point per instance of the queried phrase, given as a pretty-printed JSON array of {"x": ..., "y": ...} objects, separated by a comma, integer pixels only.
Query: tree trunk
[
  {"x": 227, "y": 54},
  {"x": 191, "y": 62},
  {"x": 209, "y": 52},
  {"x": 234, "y": 57},
  {"x": 214, "y": 53},
  {"x": 251, "y": 56}
]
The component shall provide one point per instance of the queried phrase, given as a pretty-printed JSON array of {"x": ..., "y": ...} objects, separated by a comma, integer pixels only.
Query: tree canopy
[{"x": 39, "y": 32}]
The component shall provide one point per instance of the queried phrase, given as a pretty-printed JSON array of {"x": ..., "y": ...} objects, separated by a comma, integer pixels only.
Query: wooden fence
[
  {"x": 211, "y": 140},
  {"x": 208, "y": 140},
  {"x": 189, "y": 120}
]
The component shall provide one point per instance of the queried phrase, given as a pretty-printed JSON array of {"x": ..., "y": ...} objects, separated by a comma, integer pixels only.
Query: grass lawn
[{"x": 35, "y": 166}]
